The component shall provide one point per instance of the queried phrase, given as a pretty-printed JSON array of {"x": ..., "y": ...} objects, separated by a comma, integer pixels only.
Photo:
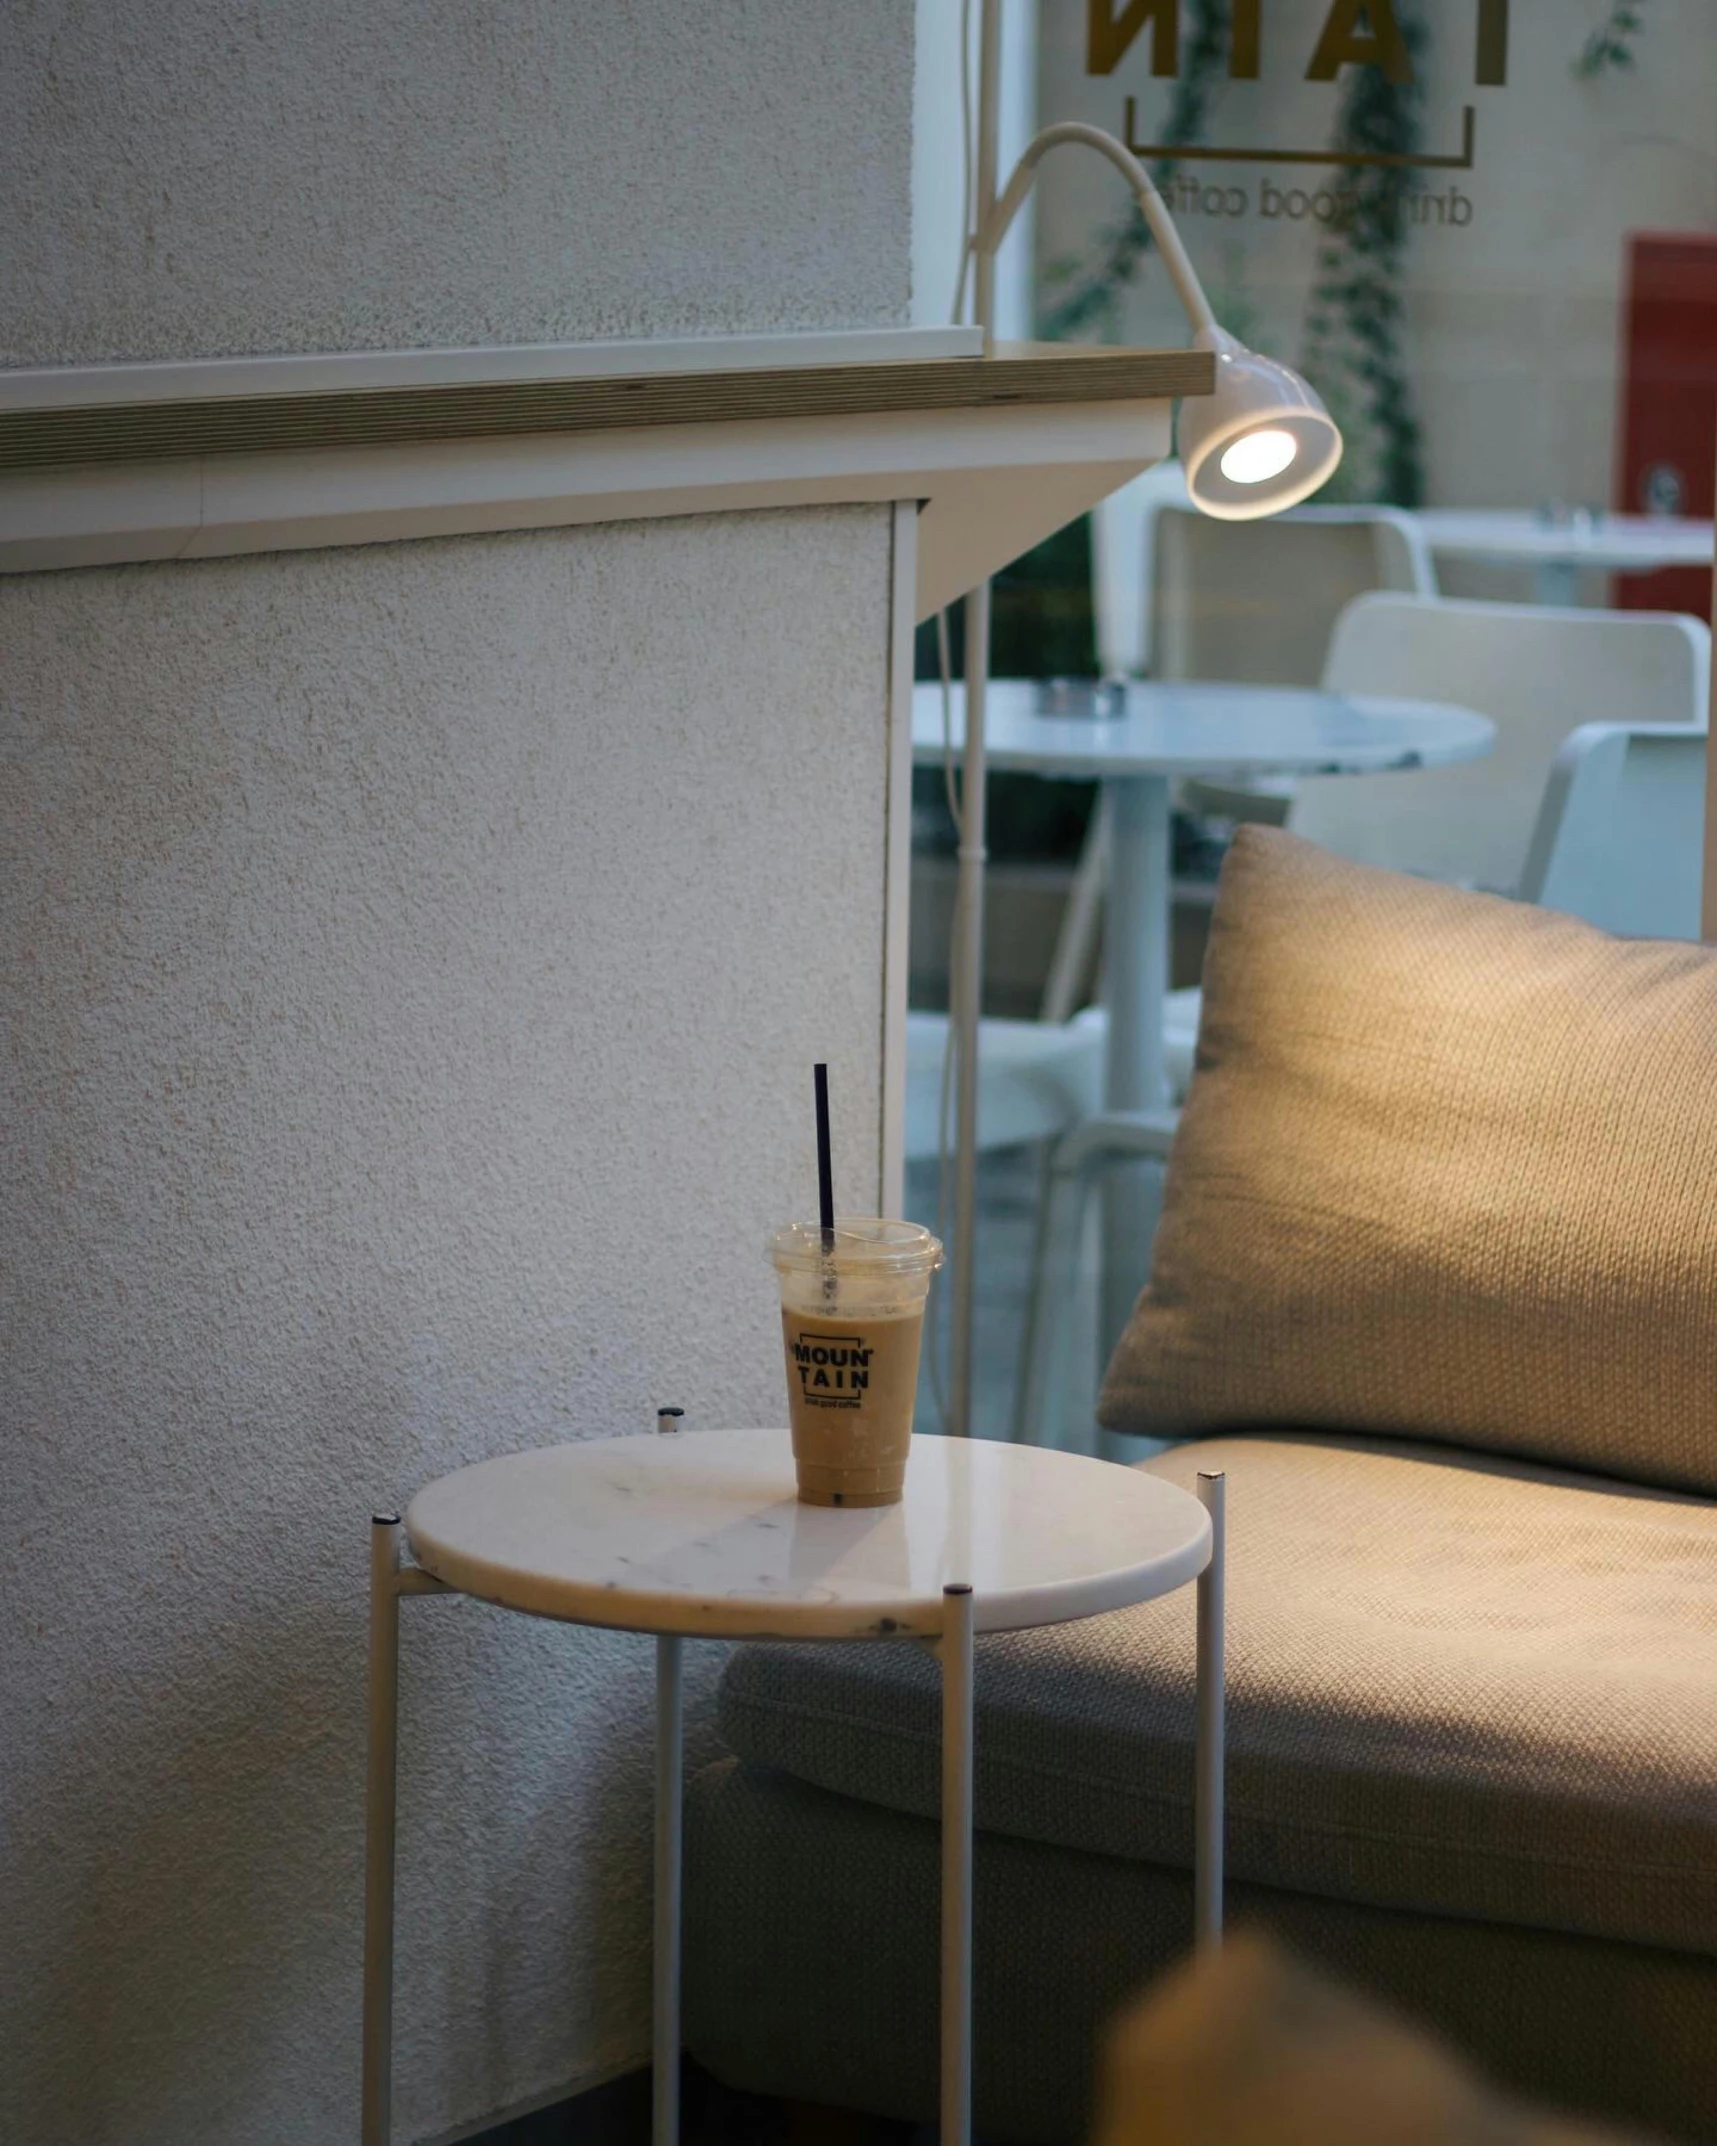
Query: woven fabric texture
[
  {"x": 810, "y": 1971},
  {"x": 1464, "y": 1686},
  {"x": 1447, "y": 1169}
]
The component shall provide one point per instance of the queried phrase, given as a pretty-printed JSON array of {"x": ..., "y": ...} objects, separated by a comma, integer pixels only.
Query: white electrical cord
[
  {"x": 950, "y": 781},
  {"x": 966, "y": 233},
  {"x": 950, "y": 768},
  {"x": 950, "y": 787},
  {"x": 1170, "y": 249}
]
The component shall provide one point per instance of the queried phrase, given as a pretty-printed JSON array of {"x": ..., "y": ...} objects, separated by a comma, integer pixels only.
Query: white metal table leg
[
  {"x": 965, "y": 999},
  {"x": 1556, "y": 582},
  {"x": 957, "y": 1757},
  {"x": 379, "y": 1828},
  {"x": 670, "y": 1796},
  {"x": 1212, "y": 1672}
]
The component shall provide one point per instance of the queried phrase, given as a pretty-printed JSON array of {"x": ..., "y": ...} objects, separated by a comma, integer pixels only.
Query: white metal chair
[
  {"x": 1257, "y": 602},
  {"x": 1178, "y": 595},
  {"x": 1121, "y": 567},
  {"x": 1620, "y": 834},
  {"x": 1538, "y": 673},
  {"x": 1036, "y": 1079},
  {"x": 1618, "y": 840}
]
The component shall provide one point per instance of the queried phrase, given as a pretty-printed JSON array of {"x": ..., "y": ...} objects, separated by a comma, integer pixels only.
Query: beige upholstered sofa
[
  {"x": 1472, "y": 1592},
  {"x": 1471, "y": 1770}
]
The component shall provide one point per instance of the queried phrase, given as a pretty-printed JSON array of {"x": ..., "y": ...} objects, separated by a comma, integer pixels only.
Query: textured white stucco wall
[
  {"x": 414, "y": 958},
  {"x": 193, "y": 178}
]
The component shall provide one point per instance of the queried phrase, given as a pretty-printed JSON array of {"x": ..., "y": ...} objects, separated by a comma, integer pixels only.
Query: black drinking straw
[{"x": 825, "y": 1168}]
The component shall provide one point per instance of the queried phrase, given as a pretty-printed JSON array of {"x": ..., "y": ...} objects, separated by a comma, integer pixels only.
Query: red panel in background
[{"x": 1669, "y": 409}]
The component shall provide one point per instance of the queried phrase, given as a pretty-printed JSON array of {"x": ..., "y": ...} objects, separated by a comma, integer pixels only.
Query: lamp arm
[{"x": 987, "y": 241}]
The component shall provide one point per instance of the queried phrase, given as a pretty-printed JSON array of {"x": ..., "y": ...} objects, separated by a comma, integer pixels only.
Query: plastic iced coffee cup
[{"x": 851, "y": 1322}]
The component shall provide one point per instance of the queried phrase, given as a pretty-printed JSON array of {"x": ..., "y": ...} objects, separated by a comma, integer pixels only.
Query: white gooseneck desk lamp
[{"x": 1262, "y": 442}]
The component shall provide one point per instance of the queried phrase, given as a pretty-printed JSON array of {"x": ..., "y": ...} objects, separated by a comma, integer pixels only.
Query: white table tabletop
[
  {"x": 702, "y": 1534},
  {"x": 1153, "y": 731},
  {"x": 1169, "y": 728},
  {"x": 1559, "y": 548}
]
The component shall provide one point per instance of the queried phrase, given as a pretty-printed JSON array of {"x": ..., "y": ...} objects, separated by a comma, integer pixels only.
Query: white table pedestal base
[{"x": 1135, "y": 984}]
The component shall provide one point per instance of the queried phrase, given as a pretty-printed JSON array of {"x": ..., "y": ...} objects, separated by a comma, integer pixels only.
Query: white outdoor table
[
  {"x": 700, "y": 1535},
  {"x": 1161, "y": 730},
  {"x": 1558, "y": 551}
]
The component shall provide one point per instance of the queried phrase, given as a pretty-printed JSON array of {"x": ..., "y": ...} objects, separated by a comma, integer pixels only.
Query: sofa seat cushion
[{"x": 1457, "y": 1684}]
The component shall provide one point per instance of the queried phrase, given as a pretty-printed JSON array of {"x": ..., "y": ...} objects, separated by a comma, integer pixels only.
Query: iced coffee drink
[{"x": 851, "y": 1321}]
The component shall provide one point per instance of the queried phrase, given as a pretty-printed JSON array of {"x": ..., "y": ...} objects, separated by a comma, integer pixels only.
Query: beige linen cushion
[{"x": 1448, "y": 1169}]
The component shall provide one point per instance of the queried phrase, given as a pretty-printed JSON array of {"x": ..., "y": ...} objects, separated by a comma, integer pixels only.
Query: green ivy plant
[
  {"x": 1354, "y": 328},
  {"x": 1094, "y": 301},
  {"x": 1354, "y": 333},
  {"x": 1354, "y": 342},
  {"x": 1611, "y": 45}
]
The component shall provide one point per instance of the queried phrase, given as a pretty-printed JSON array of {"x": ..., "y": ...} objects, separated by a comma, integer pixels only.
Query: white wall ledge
[
  {"x": 63, "y": 387},
  {"x": 332, "y": 465}
]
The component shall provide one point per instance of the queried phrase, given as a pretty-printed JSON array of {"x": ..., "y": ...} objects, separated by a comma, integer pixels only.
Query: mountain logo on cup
[{"x": 834, "y": 1369}]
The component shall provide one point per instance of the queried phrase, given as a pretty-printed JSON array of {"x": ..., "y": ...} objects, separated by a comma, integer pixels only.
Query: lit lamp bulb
[{"x": 1258, "y": 456}]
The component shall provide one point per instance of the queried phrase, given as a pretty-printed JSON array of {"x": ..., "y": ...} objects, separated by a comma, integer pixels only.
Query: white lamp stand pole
[{"x": 966, "y": 970}]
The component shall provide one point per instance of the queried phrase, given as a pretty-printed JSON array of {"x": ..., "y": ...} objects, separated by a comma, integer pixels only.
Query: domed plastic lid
[{"x": 864, "y": 1244}]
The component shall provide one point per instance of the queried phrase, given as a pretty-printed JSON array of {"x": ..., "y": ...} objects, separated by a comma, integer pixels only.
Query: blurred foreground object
[{"x": 1245, "y": 2045}]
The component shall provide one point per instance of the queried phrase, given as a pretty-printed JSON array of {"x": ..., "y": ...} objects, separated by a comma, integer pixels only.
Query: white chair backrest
[
  {"x": 1121, "y": 530},
  {"x": 1172, "y": 612},
  {"x": 1401, "y": 556},
  {"x": 1538, "y": 673},
  {"x": 1621, "y": 834},
  {"x": 1257, "y": 601}
]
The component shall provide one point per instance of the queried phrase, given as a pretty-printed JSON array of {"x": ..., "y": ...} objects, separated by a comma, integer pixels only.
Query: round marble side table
[{"x": 700, "y": 1535}]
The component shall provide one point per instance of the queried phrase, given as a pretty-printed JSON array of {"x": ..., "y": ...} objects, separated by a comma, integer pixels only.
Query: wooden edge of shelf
[{"x": 44, "y": 439}]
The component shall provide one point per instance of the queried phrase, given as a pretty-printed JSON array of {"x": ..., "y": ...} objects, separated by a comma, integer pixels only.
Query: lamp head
[{"x": 1262, "y": 442}]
